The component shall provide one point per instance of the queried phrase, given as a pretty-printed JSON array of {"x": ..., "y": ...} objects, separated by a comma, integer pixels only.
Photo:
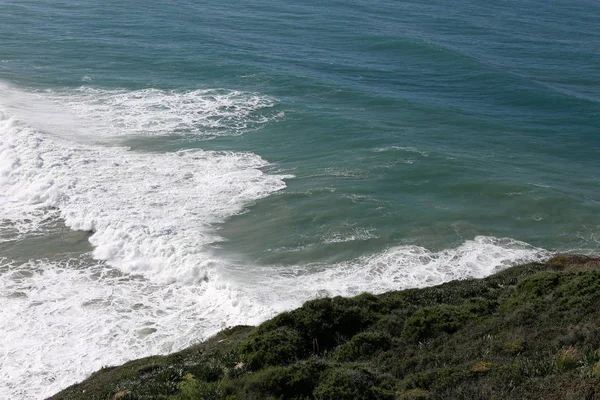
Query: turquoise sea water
[{"x": 168, "y": 169}]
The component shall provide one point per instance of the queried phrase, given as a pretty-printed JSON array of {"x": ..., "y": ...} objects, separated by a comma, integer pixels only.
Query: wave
[
  {"x": 62, "y": 321},
  {"x": 397, "y": 268},
  {"x": 406, "y": 149},
  {"x": 145, "y": 112},
  {"x": 150, "y": 213}
]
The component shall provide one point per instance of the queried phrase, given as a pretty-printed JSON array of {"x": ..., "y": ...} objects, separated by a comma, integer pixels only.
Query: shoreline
[{"x": 523, "y": 332}]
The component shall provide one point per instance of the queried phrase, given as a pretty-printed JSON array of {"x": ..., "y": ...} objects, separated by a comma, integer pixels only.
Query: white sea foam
[
  {"x": 150, "y": 212},
  {"x": 60, "y": 322},
  {"x": 397, "y": 268},
  {"x": 151, "y": 215},
  {"x": 203, "y": 112},
  {"x": 406, "y": 149},
  {"x": 353, "y": 233}
]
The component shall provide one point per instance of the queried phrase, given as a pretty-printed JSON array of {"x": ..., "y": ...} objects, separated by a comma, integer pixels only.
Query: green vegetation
[{"x": 530, "y": 332}]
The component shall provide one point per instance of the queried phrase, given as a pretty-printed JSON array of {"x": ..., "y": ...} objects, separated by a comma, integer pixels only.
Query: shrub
[
  {"x": 326, "y": 323},
  {"x": 515, "y": 346},
  {"x": 568, "y": 358},
  {"x": 428, "y": 322},
  {"x": 483, "y": 367},
  {"x": 315, "y": 328},
  {"x": 298, "y": 380},
  {"x": 527, "y": 368},
  {"x": 277, "y": 347},
  {"x": 210, "y": 370},
  {"x": 192, "y": 389},
  {"x": 581, "y": 291},
  {"x": 351, "y": 384},
  {"x": 363, "y": 345},
  {"x": 415, "y": 394},
  {"x": 539, "y": 285},
  {"x": 438, "y": 379},
  {"x": 596, "y": 370}
]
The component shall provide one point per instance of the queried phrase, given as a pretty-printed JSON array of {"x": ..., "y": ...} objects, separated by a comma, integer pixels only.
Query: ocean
[{"x": 169, "y": 169}]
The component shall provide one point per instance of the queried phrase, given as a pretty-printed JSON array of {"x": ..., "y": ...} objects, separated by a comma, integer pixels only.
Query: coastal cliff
[{"x": 529, "y": 332}]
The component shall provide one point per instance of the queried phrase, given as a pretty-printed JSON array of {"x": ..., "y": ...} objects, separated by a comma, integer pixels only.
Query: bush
[
  {"x": 515, "y": 346},
  {"x": 596, "y": 370},
  {"x": 415, "y": 394},
  {"x": 317, "y": 327},
  {"x": 296, "y": 381},
  {"x": 277, "y": 347},
  {"x": 351, "y": 384},
  {"x": 483, "y": 367},
  {"x": 192, "y": 389},
  {"x": 431, "y": 321},
  {"x": 568, "y": 358},
  {"x": 582, "y": 290},
  {"x": 363, "y": 345},
  {"x": 437, "y": 380},
  {"x": 539, "y": 285}
]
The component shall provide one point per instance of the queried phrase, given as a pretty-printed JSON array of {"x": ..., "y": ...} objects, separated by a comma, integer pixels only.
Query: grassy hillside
[{"x": 530, "y": 332}]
